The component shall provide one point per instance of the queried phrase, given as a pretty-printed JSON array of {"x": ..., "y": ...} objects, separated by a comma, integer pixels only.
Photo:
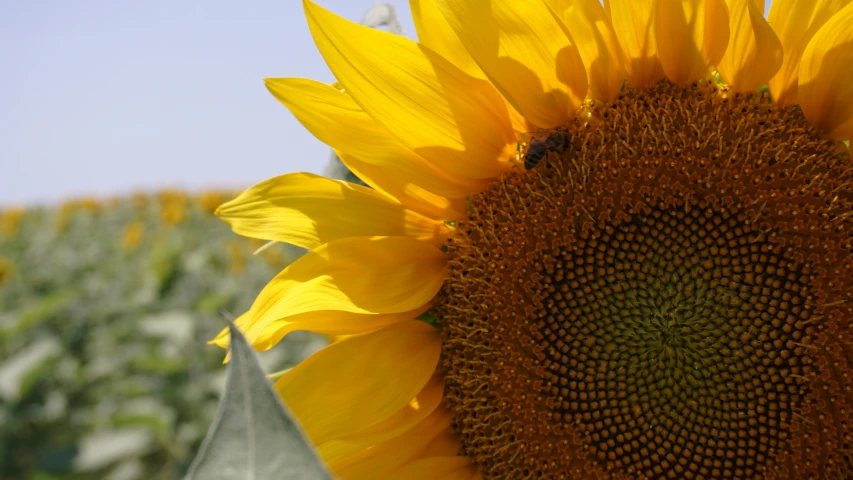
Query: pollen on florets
[{"x": 665, "y": 295}]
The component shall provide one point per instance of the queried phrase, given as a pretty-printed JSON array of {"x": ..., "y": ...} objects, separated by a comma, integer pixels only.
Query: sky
[{"x": 109, "y": 97}]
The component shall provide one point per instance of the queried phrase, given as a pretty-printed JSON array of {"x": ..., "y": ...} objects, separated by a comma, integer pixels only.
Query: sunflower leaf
[{"x": 253, "y": 437}]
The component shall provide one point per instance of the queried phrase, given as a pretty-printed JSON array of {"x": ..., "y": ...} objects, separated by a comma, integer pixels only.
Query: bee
[{"x": 556, "y": 142}]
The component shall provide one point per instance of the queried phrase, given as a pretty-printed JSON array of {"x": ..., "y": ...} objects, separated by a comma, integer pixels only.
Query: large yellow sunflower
[{"x": 600, "y": 242}]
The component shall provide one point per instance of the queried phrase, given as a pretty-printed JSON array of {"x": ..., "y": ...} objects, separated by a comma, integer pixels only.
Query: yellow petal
[
  {"x": 336, "y": 120},
  {"x": 308, "y": 210},
  {"x": 445, "y": 444},
  {"x": 523, "y": 51},
  {"x": 754, "y": 54},
  {"x": 356, "y": 274},
  {"x": 223, "y": 338},
  {"x": 445, "y": 468},
  {"x": 596, "y": 41},
  {"x": 796, "y": 22},
  {"x": 400, "y": 422},
  {"x": 435, "y": 33},
  {"x": 826, "y": 77},
  {"x": 455, "y": 121},
  {"x": 691, "y": 37},
  {"x": 263, "y": 335},
  {"x": 383, "y": 459},
  {"x": 326, "y": 322},
  {"x": 634, "y": 22},
  {"x": 392, "y": 180},
  {"x": 360, "y": 380}
]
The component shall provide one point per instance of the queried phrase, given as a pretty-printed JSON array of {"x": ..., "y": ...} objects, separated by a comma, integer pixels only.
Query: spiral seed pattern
[{"x": 665, "y": 294}]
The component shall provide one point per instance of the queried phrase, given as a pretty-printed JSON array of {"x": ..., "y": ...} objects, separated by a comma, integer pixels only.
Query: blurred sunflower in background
[
  {"x": 10, "y": 220},
  {"x": 174, "y": 206},
  {"x": 600, "y": 242},
  {"x": 133, "y": 234},
  {"x": 210, "y": 200}
]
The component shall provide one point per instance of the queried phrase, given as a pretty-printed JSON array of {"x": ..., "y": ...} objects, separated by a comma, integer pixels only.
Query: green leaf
[
  {"x": 430, "y": 319},
  {"x": 253, "y": 436}
]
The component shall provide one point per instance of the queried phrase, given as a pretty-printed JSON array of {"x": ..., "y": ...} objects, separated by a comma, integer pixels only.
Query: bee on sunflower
[{"x": 629, "y": 225}]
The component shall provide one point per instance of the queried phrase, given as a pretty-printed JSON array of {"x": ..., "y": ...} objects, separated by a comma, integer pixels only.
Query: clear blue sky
[
  {"x": 110, "y": 96},
  {"x": 106, "y": 97}
]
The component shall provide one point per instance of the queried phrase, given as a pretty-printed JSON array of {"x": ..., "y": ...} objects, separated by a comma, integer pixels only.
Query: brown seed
[{"x": 682, "y": 272}]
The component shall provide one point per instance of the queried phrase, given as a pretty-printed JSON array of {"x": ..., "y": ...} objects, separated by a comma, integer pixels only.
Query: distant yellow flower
[
  {"x": 140, "y": 200},
  {"x": 69, "y": 208},
  {"x": 209, "y": 201},
  {"x": 63, "y": 217},
  {"x": 631, "y": 270},
  {"x": 10, "y": 221},
  {"x": 133, "y": 234},
  {"x": 89, "y": 205},
  {"x": 173, "y": 206},
  {"x": 173, "y": 213},
  {"x": 172, "y": 195}
]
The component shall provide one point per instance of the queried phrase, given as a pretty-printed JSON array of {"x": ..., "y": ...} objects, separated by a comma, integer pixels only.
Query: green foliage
[
  {"x": 253, "y": 436},
  {"x": 105, "y": 314}
]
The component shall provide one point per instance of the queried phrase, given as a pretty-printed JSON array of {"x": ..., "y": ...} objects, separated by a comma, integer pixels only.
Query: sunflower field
[{"x": 105, "y": 311}]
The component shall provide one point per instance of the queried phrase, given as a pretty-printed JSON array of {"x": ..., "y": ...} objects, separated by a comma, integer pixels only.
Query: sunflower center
[{"x": 653, "y": 296}]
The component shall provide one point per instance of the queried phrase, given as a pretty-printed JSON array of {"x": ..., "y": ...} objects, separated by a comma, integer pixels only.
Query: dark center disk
[{"x": 663, "y": 292}]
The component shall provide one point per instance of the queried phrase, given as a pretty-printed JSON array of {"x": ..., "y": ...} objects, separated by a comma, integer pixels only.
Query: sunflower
[
  {"x": 600, "y": 242},
  {"x": 10, "y": 221},
  {"x": 173, "y": 206},
  {"x": 210, "y": 200},
  {"x": 132, "y": 235}
]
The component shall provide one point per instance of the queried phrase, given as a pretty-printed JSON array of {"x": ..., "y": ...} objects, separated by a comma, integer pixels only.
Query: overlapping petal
[
  {"x": 634, "y": 22},
  {"x": 445, "y": 468},
  {"x": 435, "y": 33},
  {"x": 391, "y": 180},
  {"x": 754, "y": 53},
  {"x": 691, "y": 37},
  {"x": 455, "y": 121},
  {"x": 400, "y": 422},
  {"x": 522, "y": 49},
  {"x": 796, "y": 22},
  {"x": 589, "y": 26},
  {"x": 445, "y": 444},
  {"x": 381, "y": 460},
  {"x": 333, "y": 395},
  {"x": 826, "y": 77},
  {"x": 308, "y": 210},
  {"x": 359, "y": 275},
  {"x": 335, "y": 119},
  {"x": 356, "y": 274},
  {"x": 264, "y": 335}
]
